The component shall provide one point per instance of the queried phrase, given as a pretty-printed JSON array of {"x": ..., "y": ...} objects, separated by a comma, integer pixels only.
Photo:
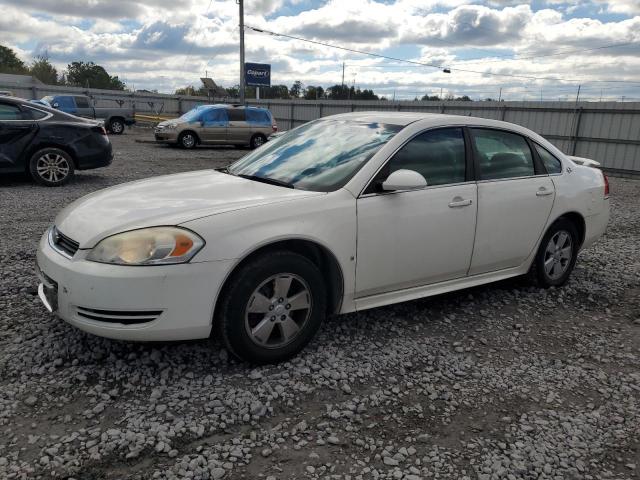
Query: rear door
[
  {"x": 239, "y": 131},
  {"x": 515, "y": 196},
  {"x": 17, "y": 129},
  {"x": 260, "y": 121}
]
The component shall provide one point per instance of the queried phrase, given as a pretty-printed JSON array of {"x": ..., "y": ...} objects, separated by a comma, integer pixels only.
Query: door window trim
[
  {"x": 469, "y": 166},
  {"x": 544, "y": 168},
  {"x": 538, "y": 167}
]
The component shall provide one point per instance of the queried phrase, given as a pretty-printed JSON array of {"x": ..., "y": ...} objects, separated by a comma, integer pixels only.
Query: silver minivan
[{"x": 218, "y": 124}]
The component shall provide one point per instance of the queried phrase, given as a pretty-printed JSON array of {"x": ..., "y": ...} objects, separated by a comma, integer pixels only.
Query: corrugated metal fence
[{"x": 608, "y": 132}]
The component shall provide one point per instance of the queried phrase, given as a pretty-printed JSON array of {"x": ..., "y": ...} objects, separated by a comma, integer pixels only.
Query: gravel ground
[{"x": 502, "y": 381}]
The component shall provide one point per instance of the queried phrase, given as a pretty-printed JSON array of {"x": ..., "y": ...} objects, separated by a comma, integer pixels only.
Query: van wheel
[
  {"x": 187, "y": 140},
  {"x": 272, "y": 307},
  {"x": 51, "y": 167},
  {"x": 556, "y": 255},
  {"x": 116, "y": 126},
  {"x": 257, "y": 140}
]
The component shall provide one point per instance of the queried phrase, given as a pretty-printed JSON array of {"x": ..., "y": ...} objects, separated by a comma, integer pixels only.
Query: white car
[{"x": 341, "y": 214}]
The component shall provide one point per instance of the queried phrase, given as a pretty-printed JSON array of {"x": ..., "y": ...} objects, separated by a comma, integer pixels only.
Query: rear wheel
[
  {"x": 116, "y": 126},
  {"x": 257, "y": 140},
  {"x": 51, "y": 167},
  {"x": 187, "y": 140},
  {"x": 272, "y": 307},
  {"x": 557, "y": 254}
]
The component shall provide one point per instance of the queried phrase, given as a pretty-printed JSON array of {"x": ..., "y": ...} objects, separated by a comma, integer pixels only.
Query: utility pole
[
  {"x": 242, "y": 86},
  {"x": 500, "y": 95},
  {"x": 342, "y": 84},
  {"x": 578, "y": 95}
]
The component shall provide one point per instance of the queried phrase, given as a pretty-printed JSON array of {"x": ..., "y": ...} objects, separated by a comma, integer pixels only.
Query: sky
[{"x": 511, "y": 49}]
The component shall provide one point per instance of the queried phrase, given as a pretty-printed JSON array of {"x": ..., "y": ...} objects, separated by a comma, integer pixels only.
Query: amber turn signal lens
[{"x": 183, "y": 245}]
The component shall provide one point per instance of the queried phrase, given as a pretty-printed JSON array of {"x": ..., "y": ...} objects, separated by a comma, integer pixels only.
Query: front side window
[
  {"x": 214, "y": 116},
  {"x": 502, "y": 154},
  {"x": 320, "y": 156},
  {"x": 10, "y": 112},
  {"x": 551, "y": 163},
  {"x": 437, "y": 155}
]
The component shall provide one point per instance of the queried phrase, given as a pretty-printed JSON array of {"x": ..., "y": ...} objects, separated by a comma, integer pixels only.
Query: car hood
[{"x": 165, "y": 200}]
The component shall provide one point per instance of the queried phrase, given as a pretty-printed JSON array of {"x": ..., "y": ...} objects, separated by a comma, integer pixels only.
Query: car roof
[{"x": 428, "y": 120}]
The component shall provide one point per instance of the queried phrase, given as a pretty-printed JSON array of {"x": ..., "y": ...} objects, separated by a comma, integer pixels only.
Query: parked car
[
  {"x": 6, "y": 93},
  {"x": 114, "y": 118},
  {"x": 341, "y": 214},
  {"x": 218, "y": 124},
  {"x": 48, "y": 144}
]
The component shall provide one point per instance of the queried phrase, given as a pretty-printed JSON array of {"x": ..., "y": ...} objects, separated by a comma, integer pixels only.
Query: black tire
[
  {"x": 116, "y": 126},
  {"x": 51, "y": 167},
  {"x": 188, "y": 140},
  {"x": 257, "y": 140},
  {"x": 548, "y": 254},
  {"x": 233, "y": 321}
]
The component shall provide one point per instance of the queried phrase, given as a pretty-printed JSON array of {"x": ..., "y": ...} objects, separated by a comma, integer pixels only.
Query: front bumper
[
  {"x": 159, "y": 303},
  {"x": 166, "y": 136}
]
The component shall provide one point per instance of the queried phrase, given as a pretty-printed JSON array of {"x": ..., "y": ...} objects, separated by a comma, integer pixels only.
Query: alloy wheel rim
[
  {"x": 52, "y": 167},
  {"x": 188, "y": 141},
  {"x": 278, "y": 310},
  {"x": 258, "y": 141},
  {"x": 116, "y": 127},
  {"x": 558, "y": 254}
]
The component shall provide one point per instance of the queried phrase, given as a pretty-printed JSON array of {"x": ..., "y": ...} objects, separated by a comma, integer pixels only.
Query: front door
[
  {"x": 213, "y": 126},
  {"x": 515, "y": 196},
  {"x": 418, "y": 237}
]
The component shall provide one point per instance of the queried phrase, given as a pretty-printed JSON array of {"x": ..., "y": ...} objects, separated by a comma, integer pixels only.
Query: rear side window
[
  {"x": 35, "y": 114},
  {"x": 10, "y": 112},
  {"x": 82, "y": 102},
  {"x": 551, "y": 163},
  {"x": 256, "y": 116},
  {"x": 236, "y": 114},
  {"x": 437, "y": 155},
  {"x": 502, "y": 154}
]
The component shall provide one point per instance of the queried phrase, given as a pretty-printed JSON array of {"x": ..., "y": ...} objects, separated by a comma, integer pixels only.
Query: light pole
[{"x": 241, "y": 13}]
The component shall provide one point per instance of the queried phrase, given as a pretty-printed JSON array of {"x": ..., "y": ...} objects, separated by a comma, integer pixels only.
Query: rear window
[
  {"x": 256, "y": 116},
  {"x": 236, "y": 114}
]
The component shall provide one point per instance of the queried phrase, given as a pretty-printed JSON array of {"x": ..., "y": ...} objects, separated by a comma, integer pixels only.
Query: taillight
[
  {"x": 274, "y": 127},
  {"x": 606, "y": 185}
]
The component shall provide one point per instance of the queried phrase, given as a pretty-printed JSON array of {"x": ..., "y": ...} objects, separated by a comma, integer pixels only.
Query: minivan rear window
[{"x": 256, "y": 116}]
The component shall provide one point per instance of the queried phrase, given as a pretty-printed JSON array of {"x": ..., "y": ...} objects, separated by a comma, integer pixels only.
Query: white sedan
[{"x": 342, "y": 214}]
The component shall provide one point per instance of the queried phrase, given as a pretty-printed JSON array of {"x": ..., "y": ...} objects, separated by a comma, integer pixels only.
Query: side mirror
[
  {"x": 404, "y": 180},
  {"x": 56, "y": 105}
]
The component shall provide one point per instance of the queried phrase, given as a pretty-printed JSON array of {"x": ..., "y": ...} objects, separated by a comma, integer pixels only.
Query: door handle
[
  {"x": 543, "y": 192},
  {"x": 460, "y": 202}
]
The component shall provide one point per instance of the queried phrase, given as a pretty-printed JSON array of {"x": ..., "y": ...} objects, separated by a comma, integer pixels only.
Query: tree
[
  {"x": 338, "y": 92},
  {"x": 430, "y": 98},
  {"x": 313, "y": 93},
  {"x": 42, "y": 69},
  {"x": 296, "y": 89},
  {"x": 88, "y": 74},
  {"x": 10, "y": 63},
  {"x": 190, "y": 90}
]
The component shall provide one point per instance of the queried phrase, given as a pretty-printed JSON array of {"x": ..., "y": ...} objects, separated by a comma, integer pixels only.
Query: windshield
[
  {"x": 320, "y": 156},
  {"x": 192, "y": 115},
  {"x": 48, "y": 99}
]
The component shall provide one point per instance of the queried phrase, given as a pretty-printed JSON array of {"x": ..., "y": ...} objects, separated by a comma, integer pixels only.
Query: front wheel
[
  {"x": 272, "y": 307},
  {"x": 51, "y": 167},
  {"x": 556, "y": 255},
  {"x": 187, "y": 140}
]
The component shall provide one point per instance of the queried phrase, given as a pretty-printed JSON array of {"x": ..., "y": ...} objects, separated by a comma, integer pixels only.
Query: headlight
[
  {"x": 170, "y": 126},
  {"x": 148, "y": 246}
]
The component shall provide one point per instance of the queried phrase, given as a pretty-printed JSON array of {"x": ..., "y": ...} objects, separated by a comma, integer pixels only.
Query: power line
[{"x": 424, "y": 64}]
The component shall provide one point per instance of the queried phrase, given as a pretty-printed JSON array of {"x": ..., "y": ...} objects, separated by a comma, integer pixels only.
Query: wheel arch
[
  {"x": 41, "y": 146},
  {"x": 317, "y": 253},
  {"x": 578, "y": 221}
]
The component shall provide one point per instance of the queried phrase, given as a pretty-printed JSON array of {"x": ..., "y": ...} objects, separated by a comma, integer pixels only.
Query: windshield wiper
[{"x": 271, "y": 181}]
